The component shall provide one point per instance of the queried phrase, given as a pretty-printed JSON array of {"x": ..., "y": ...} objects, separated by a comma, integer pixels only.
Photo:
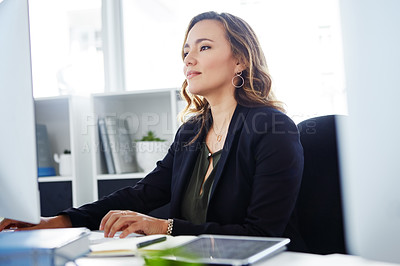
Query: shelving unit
[
  {"x": 66, "y": 119},
  {"x": 145, "y": 110},
  {"x": 71, "y": 123}
]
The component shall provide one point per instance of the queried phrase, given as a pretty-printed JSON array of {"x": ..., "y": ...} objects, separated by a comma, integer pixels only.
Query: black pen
[{"x": 151, "y": 241}]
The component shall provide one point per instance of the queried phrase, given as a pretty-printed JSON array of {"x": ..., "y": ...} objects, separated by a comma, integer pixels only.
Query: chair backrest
[{"x": 319, "y": 205}]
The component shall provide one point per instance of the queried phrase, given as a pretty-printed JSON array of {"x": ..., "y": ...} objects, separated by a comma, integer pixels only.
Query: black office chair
[{"x": 319, "y": 205}]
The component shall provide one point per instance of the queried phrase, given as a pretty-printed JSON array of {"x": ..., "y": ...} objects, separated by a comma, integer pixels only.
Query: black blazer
[{"x": 255, "y": 186}]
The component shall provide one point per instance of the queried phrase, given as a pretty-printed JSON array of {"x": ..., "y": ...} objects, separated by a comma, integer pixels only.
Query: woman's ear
[{"x": 240, "y": 66}]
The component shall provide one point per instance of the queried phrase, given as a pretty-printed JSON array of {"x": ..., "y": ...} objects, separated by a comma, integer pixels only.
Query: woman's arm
[
  {"x": 61, "y": 221},
  {"x": 148, "y": 194}
]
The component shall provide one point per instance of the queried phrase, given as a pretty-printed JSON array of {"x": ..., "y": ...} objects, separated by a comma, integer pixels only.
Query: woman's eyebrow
[{"x": 199, "y": 41}]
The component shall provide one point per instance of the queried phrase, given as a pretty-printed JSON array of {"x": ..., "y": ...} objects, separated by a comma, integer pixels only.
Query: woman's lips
[{"x": 192, "y": 74}]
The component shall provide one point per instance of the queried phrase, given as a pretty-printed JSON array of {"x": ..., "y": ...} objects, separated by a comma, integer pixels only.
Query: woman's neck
[{"x": 222, "y": 112}]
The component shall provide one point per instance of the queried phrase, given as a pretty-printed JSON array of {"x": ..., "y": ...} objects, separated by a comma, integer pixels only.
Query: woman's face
[{"x": 209, "y": 65}]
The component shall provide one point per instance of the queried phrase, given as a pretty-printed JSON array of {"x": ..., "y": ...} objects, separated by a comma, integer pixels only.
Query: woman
[{"x": 235, "y": 165}]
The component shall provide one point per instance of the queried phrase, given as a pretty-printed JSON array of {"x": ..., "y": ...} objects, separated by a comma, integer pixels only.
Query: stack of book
[
  {"x": 45, "y": 247},
  {"x": 44, "y": 158},
  {"x": 116, "y": 145}
]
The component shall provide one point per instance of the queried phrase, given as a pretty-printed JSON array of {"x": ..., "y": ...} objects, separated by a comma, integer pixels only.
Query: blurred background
[{"x": 95, "y": 46}]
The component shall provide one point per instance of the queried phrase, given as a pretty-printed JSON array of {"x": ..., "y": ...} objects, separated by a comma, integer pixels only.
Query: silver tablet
[{"x": 228, "y": 250}]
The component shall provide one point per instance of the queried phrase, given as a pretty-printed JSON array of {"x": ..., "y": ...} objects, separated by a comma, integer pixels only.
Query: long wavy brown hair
[{"x": 256, "y": 90}]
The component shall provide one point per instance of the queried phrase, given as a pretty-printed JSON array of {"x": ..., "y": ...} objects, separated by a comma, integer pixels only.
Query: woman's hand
[
  {"x": 14, "y": 225},
  {"x": 131, "y": 222},
  {"x": 61, "y": 221}
]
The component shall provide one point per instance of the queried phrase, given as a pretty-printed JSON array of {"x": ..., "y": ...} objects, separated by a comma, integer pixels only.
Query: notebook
[{"x": 116, "y": 247}]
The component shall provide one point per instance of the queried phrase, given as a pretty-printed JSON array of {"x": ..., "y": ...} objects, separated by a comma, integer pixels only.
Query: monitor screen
[
  {"x": 19, "y": 192},
  {"x": 369, "y": 140}
]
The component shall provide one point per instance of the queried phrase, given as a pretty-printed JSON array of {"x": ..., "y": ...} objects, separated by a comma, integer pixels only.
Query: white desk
[
  {"x": 282, "y": 259},
  {"x": 305, "y": 259},
  {"x": 286, "y": 258}
]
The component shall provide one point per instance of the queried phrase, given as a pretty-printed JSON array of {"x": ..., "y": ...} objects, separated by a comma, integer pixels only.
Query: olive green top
[{"x": 195, "y": 204}]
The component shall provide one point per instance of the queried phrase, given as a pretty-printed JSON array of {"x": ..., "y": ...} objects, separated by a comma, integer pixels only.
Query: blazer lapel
[
  {"x": 236, "y": 124},
  {"x": 190, "y": 156}
]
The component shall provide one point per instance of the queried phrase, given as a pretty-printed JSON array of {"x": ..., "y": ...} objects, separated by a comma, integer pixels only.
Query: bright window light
[
  {"x": 66, "y": 44},
  {"x": 301, "y": 41}
]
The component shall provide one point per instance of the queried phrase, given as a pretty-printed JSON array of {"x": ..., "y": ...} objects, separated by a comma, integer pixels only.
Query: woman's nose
[{"x": 189, "y": 60}]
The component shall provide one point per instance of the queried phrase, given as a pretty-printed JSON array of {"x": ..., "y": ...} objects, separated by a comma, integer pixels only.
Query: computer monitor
[
  {"x": 369, "y": 140},
  {"x": 19, "y": 191}
]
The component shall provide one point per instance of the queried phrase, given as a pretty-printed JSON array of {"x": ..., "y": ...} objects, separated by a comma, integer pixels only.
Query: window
[
  {"x": 301, "y": 41},
  {"x": 66, "y": 45}
]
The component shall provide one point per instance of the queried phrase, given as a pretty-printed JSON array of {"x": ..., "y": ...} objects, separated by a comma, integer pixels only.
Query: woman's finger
[
  {"x": 120, "y": 223},
  {"x": 132, "y": 228},
  {"x": 105, "y": 218},
  {"x": 4, "y": 224},
  {"x": 109, "y": 223},
  {"x": 11, "y": 224},
  {"x": 114, "y": 224}
]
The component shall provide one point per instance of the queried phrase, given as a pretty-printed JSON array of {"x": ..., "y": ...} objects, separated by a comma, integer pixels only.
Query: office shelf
[
  {"x": 66, "y": 120},
  {"x": 55, "y": 178},
  {"x": 145, "y": 110},
  {"x": 71, "y": 123}
]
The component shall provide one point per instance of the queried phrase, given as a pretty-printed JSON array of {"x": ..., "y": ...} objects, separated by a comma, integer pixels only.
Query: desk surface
[{"x": 282, "y": 259}]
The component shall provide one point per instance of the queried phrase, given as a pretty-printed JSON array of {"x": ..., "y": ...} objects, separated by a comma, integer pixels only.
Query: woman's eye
[
  {"x": 205, "y": 47},
  {"x": 184, "y": 55}
]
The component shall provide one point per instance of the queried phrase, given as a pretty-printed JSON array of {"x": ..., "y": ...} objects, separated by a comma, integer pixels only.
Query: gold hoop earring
[{"x": 239, "y": 76}]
